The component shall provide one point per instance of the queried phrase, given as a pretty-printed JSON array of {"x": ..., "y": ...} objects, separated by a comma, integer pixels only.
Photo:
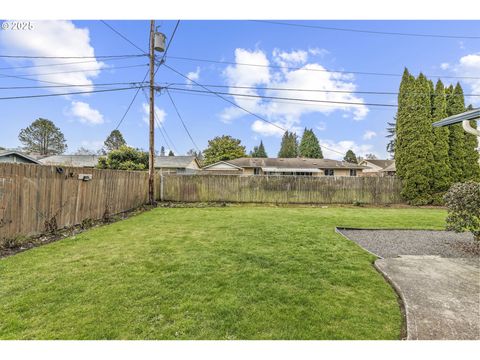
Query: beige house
[
  {"x": 284, "y": 166},
  {"x": 163, "y": 164},
  {"x": 378, "y": 167}
]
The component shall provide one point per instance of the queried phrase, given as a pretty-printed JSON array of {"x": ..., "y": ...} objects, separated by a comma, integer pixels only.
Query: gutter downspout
[{"x": 468, "y": 128}]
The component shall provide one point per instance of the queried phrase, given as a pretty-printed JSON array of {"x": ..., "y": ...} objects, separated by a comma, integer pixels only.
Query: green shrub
[{"x": 463, "y": 203}]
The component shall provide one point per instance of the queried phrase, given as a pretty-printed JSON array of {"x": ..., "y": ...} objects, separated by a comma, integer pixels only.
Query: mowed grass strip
[{"x": 210, "y": 273}]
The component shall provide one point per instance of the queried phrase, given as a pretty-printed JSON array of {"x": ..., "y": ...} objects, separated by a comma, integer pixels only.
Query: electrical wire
[
  {"x": 68, "y": 93},
  {"x": 161, "y": 129},
  {"x": 169, "y": 42},
  {"x": 181, "y": 119},
  {"x": 59, "y": 64},
  {"x": 133, "y": 83},
  {"x": 368, "y": 31},
  {"x": 131, "y": 102},
  {"x": 306, "y": 90},
  {"x": 76, "y": 71},
  {"x": 315, "y": 70},
  {"x": 123, "y": 37},
  {"x": 70, "y": 57},
  {"x": 289, "y": 98}
]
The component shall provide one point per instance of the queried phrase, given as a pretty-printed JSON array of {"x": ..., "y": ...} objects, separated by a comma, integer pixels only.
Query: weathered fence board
[
  {"x": 34, "y": 198},
  {"x": 281, "y": 189}
]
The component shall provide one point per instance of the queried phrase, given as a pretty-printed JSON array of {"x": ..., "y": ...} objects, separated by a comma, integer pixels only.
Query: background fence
[
  {"x": 34, "y": 198},
  {"x": 281, "y": 189}
]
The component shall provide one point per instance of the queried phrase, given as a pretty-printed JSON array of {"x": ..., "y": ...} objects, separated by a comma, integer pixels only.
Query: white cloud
[
  {"x": 85, "y": 113},
  {"x": 318, "y": 52},
  {"x": 287, "y": 114},
  {"x": 341, "y": 147},
  {"x": 193, "y": 75},
  {"x": 54, "y": 38},
  {"x": 469, "y": 66},
  {"x": 369, "y": 134},
  {"x": 160, "y": 114},
  {"x": 263, "y": 128},
  {"x": 444, "y": 66}
]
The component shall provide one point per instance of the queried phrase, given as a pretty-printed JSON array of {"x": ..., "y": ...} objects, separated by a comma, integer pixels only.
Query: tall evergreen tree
[
  {"x": 114, "y": 141},
  {"x": 162, "y": 151},
  {"x": 350, "y": 157},
  {"x": 259, "y": 151},
  {"x": 472, "y": 168},
  {"x": 441, "y": 179},
  {"x": 456, "y": 142},
  {"x": 414, "y": 146},
  {"x": 309, "y": 145},
  {"x": 289, "y": 145},
  {"x": 43, "y": 137}
]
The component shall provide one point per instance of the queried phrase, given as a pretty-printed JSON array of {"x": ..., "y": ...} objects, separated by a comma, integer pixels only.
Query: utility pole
[{"x": 151, "y": 159}]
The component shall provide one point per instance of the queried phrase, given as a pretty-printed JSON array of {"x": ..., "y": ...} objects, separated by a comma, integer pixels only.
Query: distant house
[
  {"x": 285, "y": 166},
  {"x": 165, "y": 164},
  {"x": 378, "y": 167},
  {"x": 177, "y": 164},
  {"x": 86, "y": 161},
  {"x": 13, "y": 156}
]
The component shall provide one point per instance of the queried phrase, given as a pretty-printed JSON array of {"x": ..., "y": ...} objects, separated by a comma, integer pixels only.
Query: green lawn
[{"x": 210, "y": 273}]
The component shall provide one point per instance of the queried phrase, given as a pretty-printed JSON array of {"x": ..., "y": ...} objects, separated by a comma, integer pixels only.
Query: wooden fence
[
  {"x": 280, "y": 189},
  {"x": 35, "y": 198}
]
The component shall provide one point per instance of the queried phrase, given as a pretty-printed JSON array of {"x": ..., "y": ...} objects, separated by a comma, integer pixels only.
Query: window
[
  {"x": 353, "y": 172},
  {"x": 329, "y": 172},
  {"x": 256, "y": 171}
]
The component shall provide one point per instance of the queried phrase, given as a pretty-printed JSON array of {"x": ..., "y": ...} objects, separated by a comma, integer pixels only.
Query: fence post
[{"x": 161, "y": 187}]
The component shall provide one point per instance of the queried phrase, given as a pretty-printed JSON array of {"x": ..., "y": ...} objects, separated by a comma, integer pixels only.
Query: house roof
[
  {"x": 380, "y": 163},
  {"x": 71, "y": 160},
  {"x": 18, "y": 153},
  {"x": 391, "y": 167},
  {"x": 174, "y": 161},
  {"x": 293, "y": 163},
  {"x": 92, "y": 161}
]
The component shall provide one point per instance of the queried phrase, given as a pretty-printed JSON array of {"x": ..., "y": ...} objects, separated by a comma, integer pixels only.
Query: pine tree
[
  {"x": 170, "y": 153},
  {"x": 472, "y": 168},
  {"x": 441, "y": 180},
  {"x": 309, "y": 145},
  {"x": 162, "y": 151},
  {"x": 43, "y": 137},
  {"x": 259, "y": 151},
  {"x": 114, "y": 141},
  {"x": 414, "y": 145},
  {"x": 456, "y": 142},
  {"x": 350, "y": 157},
  {"x": 289, "y": 145}
]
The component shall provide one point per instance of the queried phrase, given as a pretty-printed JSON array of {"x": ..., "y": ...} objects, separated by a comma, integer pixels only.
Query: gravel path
[{"x": 392, "y": 243}]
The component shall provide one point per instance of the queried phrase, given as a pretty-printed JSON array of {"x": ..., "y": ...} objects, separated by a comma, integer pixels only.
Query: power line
[
  {"x": 75, "y": 71},
  {"x": 70, "y": 57},
  {"x": 308, "y": 90},
  {"x": 183, "y": 123},
  {"x": 225, "y": 99},
  {"x": 60, "y": 64},
  {"x": 133, "y": 83},
  {"x": 131, "y": 102},
  {"x": 206, "y": 94},
  {"x": 315, "y": 70},
  {"x": 124, "y": 37},
  {"x": 289, "y": 98},
  {"x": 68, "y": 93},
  {"x": 368, "y": 31},
  {"x": 161, "y": 129},
  {"x": 169, "y": 42}
]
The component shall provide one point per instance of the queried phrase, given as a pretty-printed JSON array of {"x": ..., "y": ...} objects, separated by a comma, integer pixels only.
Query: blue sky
[{"x": 86, "y": 120}]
